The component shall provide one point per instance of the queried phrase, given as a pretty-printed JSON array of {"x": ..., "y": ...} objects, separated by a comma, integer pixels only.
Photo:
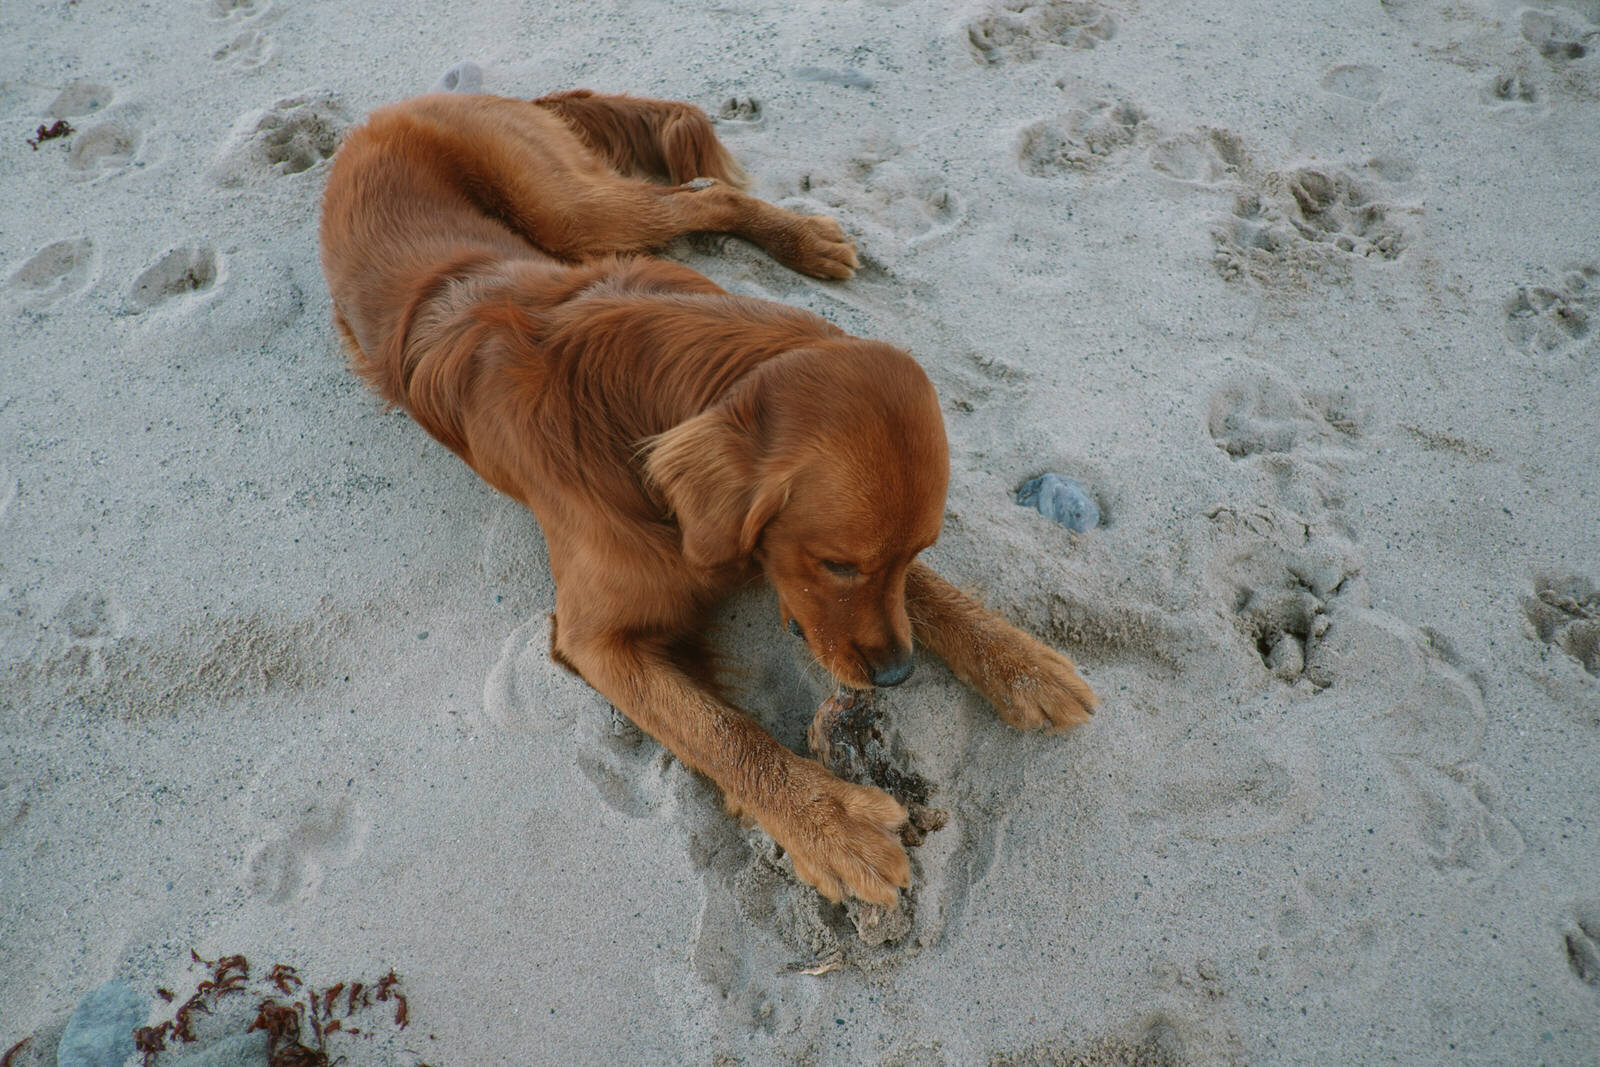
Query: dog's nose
[{"x": 893, "y": 671}]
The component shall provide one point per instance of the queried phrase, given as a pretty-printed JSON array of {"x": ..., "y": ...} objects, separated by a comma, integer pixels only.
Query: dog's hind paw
[{"x": 823, "y": 249}]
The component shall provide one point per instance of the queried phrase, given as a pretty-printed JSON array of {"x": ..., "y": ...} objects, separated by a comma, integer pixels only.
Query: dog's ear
[{"x": 709, "y": 470}]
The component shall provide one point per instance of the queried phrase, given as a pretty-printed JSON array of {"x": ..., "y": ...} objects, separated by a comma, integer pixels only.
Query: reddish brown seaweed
[{"x": 61, "y": 129}]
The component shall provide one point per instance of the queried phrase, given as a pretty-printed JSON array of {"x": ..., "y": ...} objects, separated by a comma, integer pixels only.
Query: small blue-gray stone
[
  {"x": 100, "y": 1032},
  {"x": 1062, "y": 500}
]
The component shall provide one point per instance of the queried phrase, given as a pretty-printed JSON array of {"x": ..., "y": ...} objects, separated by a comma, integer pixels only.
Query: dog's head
[{"x": 828, "y": 466}]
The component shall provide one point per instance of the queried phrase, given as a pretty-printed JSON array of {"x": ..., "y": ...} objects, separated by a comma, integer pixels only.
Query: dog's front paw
[
  {"x": 845, "y": 839},
  {"x": 823, "y": 249},
  {"x": 1037, "y": 688}
]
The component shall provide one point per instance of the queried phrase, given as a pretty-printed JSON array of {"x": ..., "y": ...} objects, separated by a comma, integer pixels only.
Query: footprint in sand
[
  {"x": 1558, "y": 38},
  {"x": 1285, "y": 226},
  {"x": 1283, "y": 603},
  {"x": 1206, "y": 156},
  {"x": 1148, "y": 1041},
  {"x": 1255, "y": 414},
  {"x": 87, "y": 626},
  {"x": 1021, "y": 30},
  {"x": 82, "y": 97},
  {"x": 1458, "y": 816},
  {"x": 1329, "y": 916},
  {"x": 54, "y": 272},
  {"x": 898, "y": 209},
  {"x": 1335, "y": 208},
  {"x": 1298, "y": 223},
  {"x": 89, "y": 617},
  {"x": 758, "y": 928},
  {"x": 1299, "y": 443},
  {"x": 1430, "y": 718},
  {"x": 237, "y": 10},
  {"x": 1564, "y": 613},
  {"x": 104, "y": 148},
  {"x": 626, "y": 768},
  {"x": 292, "y": 136},
  {"x": 1080, "y": 140},
  {"x": 187, "y": 269},
  {"x": 744, "y": 110},
  {"x": 1108, "y": 129},
  {"x": 1235, "y": 784},
  {"x": 1430, "y": 726},
  {"x": 1289, "y": 558},
  {"x": 1355, "y": 81},
  {"x": 251, "y": 50},
  {"x": 527, "y": 692},
  {"x": 463, "y": 77},
  {"x": 1550, "y": 318},
  {"x": 296, "y": 135},
  {"x": 1298, "y": 596},
  {"x": 1516, "y": 89},
  {"x": 1286, "y": 561},
  {"x": 289, "y": 866},
  {"x": 1583, "y": 941},
  {"x": 929, "y": 209}
]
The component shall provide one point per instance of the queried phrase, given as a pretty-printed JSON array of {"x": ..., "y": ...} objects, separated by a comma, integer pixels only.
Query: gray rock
[
  {"x": 1061, "y": 500},
  {"x": 100, "y": 1032}
]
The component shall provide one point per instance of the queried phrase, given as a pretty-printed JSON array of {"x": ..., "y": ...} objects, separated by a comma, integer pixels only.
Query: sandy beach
[{"x": 1307, "y": 297}]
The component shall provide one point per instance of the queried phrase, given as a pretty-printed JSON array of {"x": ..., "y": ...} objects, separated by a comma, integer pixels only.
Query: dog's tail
[{"x": 640, "y": 136}]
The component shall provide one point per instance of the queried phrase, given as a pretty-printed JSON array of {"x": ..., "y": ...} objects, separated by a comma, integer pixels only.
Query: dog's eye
[{"x": 840, "y": 570}]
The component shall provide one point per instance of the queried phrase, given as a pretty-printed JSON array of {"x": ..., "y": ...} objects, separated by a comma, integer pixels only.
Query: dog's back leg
[
  {"x": 522, "y": 164},
  {"x": 648, "y": 138},
  {"x": 672, "y": 140}
]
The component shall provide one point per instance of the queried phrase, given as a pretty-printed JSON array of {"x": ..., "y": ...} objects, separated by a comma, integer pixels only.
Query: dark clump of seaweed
[
  {"x": 61, "y": 128},
  {"x": 847, "y": 737},
  {"x": 298, "y": 1019}
]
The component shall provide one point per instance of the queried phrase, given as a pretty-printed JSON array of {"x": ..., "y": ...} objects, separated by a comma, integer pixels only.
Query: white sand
[{"x": 1307, "y": 297}]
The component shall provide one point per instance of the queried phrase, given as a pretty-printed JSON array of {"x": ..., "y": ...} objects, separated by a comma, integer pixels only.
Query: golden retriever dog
[{"x": 488, "y": 262}]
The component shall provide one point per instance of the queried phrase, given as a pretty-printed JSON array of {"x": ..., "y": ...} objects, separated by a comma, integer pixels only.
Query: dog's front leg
[
  {"x": 843, "y": 838},
  {"x": 1029, "y": 683}
]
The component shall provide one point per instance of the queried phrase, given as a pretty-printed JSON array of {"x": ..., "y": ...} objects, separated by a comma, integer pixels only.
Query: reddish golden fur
[{"x": 486, "y": 262}]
